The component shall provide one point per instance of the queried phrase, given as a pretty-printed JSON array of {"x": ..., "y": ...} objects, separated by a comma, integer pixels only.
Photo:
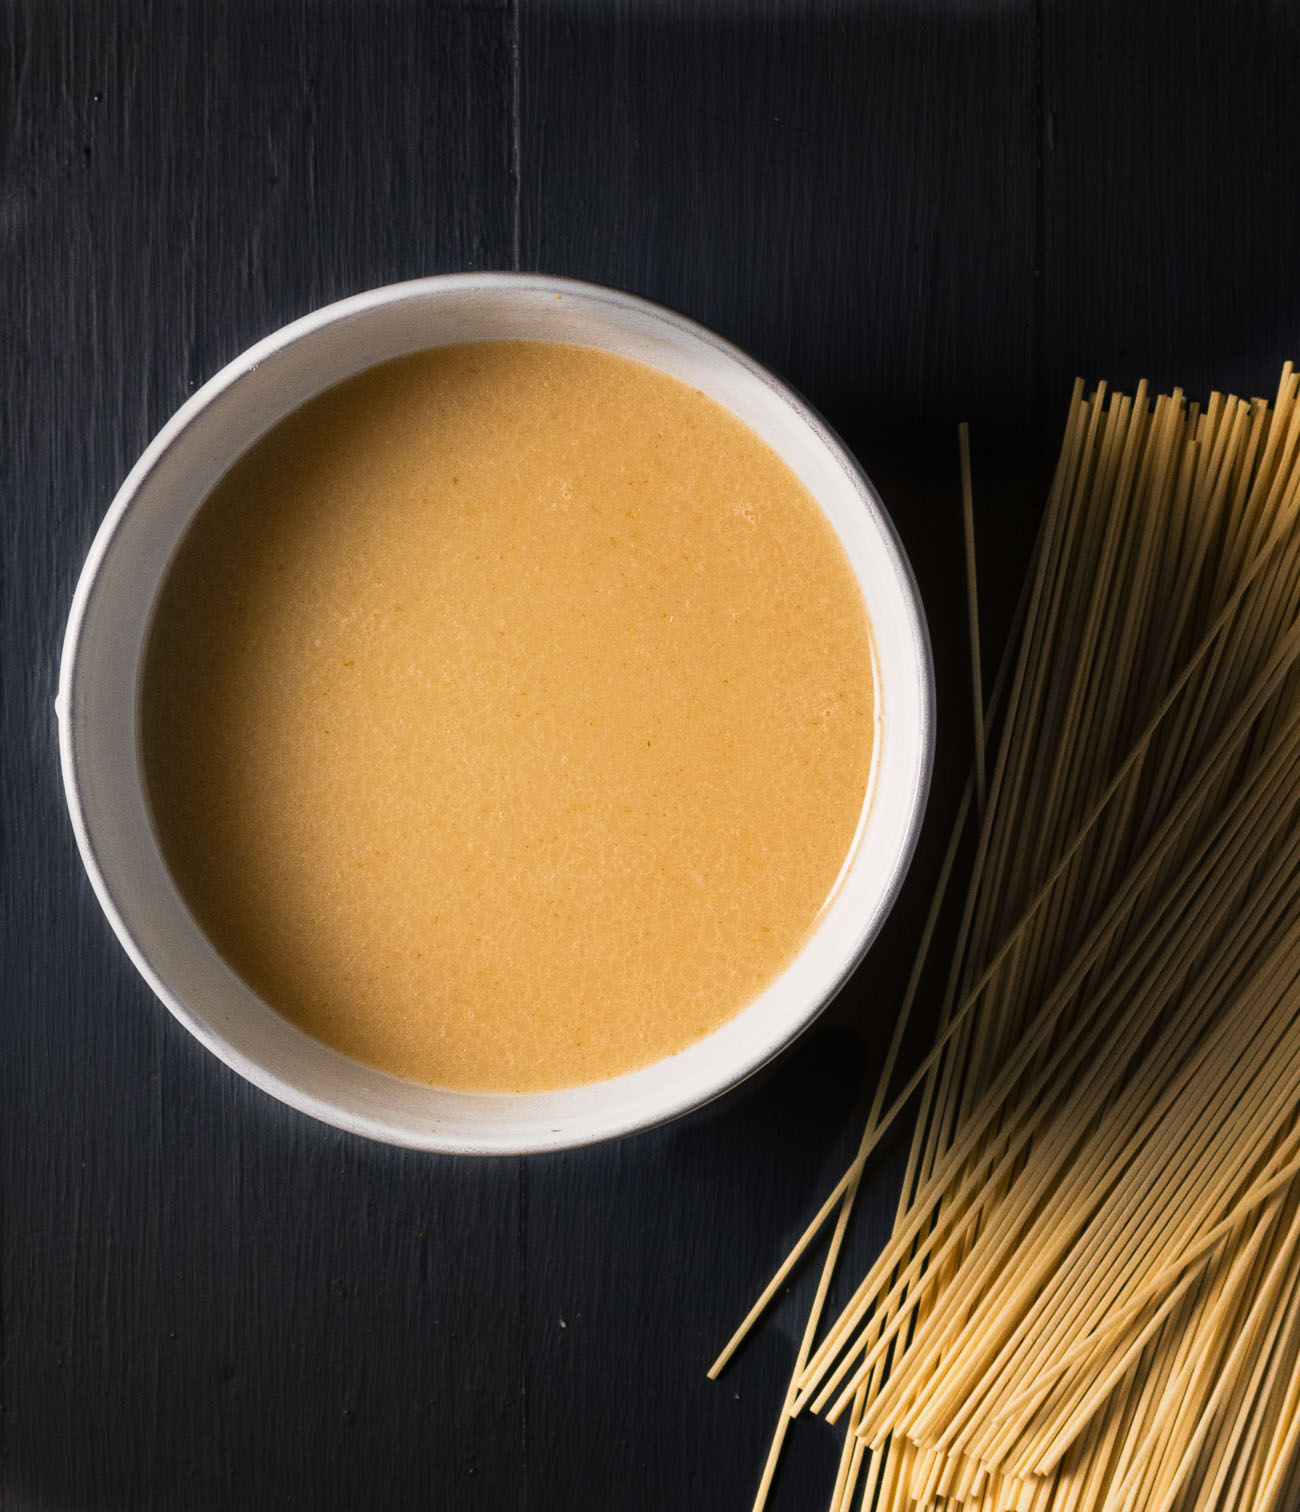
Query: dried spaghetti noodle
[{"x": 1091, "y": 1298}]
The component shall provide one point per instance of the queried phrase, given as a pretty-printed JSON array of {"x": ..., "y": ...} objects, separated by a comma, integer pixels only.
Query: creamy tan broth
[{"x": 507, "y": 716}]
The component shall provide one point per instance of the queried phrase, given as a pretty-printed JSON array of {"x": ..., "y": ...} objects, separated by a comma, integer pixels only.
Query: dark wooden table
[{"x": 915, "y": 211}]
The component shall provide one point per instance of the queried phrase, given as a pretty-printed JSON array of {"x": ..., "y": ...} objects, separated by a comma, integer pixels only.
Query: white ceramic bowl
[{"x": 100, "y": 675}]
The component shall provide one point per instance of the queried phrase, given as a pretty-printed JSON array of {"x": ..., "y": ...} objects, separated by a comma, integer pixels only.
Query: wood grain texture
[
  {"x": 208, "y": 1300},
  {"x": 1170, "y": 205},
  {"x": 849, "y": 192},
  {"x": 915, "y": 210}
]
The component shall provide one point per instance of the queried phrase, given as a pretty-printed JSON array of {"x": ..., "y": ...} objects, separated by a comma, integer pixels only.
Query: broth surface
[{"x": 507, "y": 716}]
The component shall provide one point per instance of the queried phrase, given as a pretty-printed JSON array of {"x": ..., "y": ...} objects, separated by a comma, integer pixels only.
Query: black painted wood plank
[
  {"x": 849, "y": 191},
  {"x": 1171, "y": 211},
  {"x": 207, "y": 1301}
]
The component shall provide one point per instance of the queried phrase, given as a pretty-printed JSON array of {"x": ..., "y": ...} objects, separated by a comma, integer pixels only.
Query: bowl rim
[{"x": 188, "y": 414}]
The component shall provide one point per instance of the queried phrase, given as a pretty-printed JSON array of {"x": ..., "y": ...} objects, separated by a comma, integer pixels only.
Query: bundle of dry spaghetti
[{"x": 1091, "y": 1298}]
